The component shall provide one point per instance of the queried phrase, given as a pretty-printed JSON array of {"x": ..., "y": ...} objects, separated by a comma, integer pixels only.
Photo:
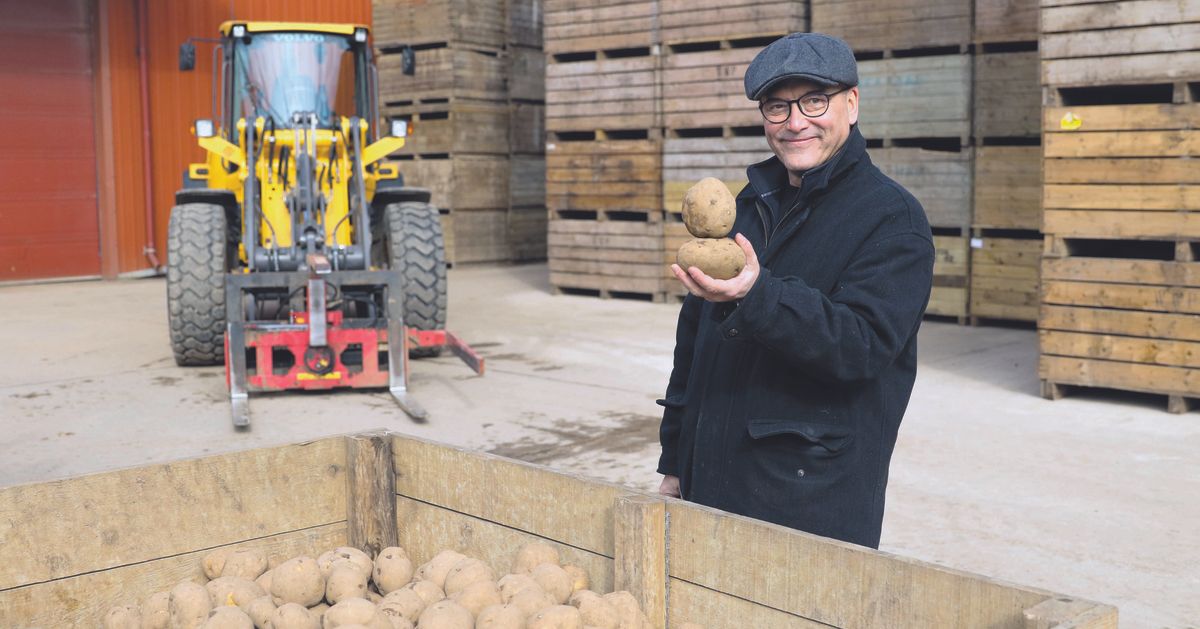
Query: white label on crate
[{"x": 977, "y": 243}]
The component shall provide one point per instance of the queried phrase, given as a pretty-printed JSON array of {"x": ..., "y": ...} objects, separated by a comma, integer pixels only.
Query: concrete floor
[{"x": 1096, "y": 496}]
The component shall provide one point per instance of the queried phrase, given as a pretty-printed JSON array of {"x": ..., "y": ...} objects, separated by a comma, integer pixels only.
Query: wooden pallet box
[
  {"x": 688, "y": 160},
  {"x": 940, "y": 180},
  {"x": 1004, "y": 21},
  {"x": 692, "y": 21},
  {"x": 527, "y": 233},
  {"x": 461, "y": 182},
  {"x": 527, "y": 128},
  {"x": 916, "y": 97},
  {"x": 458, "y": 126},
  {"x": 611, "y": 257},
  {"x": 1008, "y": 98},
  {"x": 603, "y": 93},
  {"x": 525, "y": 22},
  {"x": 1004, "y": 278},
  {"x": 443, "y": 73},
  {"x": 706, "y": 89},
  {"x": 582, "y": 25},
  {"x": 527, "y": 181},
  {"x": 415, "y": 22},
  {"x": 147, "y": 528},
  {"x": 1113, "y": 43},
  {"x": 1008, "y": 187},
  {"x": 604, "y": 177},
  {"x": 870, "y": 25},
  {"x": 476, "y": 235},
  {"x": 526, "y": 73},
  {"x": 949, "y": 296}
]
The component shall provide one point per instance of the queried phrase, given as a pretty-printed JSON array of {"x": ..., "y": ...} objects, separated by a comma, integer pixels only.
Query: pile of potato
[
  {"x": 709, "y": 210},
  {"x": 346, "y": 588}
]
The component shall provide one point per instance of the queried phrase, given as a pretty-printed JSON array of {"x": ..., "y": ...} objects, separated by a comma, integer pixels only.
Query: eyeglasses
[{"x": 812, "y": 105}]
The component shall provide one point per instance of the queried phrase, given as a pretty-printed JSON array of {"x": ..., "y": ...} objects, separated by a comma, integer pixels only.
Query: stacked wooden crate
[
  {"x": 711, "y": 130},
  {"x": 1006, "y": 247},
  {"x": 460, "y": 108},
  {"x": 527, "y": 131},
  {"x": 604, "y": 147},
  {"x": 1121, "y": 281}
]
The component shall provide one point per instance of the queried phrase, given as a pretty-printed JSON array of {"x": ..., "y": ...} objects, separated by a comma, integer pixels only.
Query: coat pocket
[{"x": 830, "y": 437}]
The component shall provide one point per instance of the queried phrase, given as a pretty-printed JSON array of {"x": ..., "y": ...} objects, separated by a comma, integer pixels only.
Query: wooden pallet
[
  {"x": 524, "y": 22},
  {"x": 940, "y": 180},
  {"x": 603, "y": 93},
  {"x": 688, "y": 160},
  {"x": 456, "y": 126},
  {"x": 869, "y": 25},
  {"x": 916, "y": 97},
  {"x": 527, "y": 181},
  {"x": 1004, "y": 277},
  {"x": 706, "y": 89},
  {"x": 692, "y": 21},
  {"x": 1006, "y": 21},
  {"x": 527, "y": 233},
  {"x": 414, "y": 22},
  {"x": 527, "y": 128},
  {"x": 1008, "y": 187},
  {"x": 477, "y": 235},
  {"x": 444, "y": 72},
  {"x": 1008, "y": 98},
  {"x": 949, "y": 296},
  {"x": 461, "y": 182},
  {"x": 607, "y": 256},
  {"x": 575, "y": 26},
  {"x": 526, "y": 73},
  {"x": 1109, "y": 43},
  {"x": 605, "y": 177}
]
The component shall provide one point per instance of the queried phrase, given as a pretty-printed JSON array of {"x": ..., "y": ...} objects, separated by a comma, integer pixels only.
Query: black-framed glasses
[{"x": 812, "y": 105}]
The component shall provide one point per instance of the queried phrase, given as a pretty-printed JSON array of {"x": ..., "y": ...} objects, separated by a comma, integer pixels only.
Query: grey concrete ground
[{"x": 1096, "y": 496}]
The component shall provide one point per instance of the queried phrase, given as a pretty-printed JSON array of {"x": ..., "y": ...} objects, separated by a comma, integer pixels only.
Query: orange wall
[{"x": 177, "y": 98}]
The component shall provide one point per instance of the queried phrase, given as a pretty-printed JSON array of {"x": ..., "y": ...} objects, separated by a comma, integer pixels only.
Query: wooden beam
[
  {"x": 1067, "y": 613},
  {"x": 371, "y": 492},
  {"x": 640, "y": 553}
]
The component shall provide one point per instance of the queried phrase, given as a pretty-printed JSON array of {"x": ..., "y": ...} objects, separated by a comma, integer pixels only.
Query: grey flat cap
[{"x": 813, "y": 57}]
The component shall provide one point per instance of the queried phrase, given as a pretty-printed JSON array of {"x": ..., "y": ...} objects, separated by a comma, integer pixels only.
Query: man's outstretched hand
[{"x": 731, "y": 289}]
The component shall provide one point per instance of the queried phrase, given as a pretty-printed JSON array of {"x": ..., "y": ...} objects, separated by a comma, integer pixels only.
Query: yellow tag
[
  {"x": 1070, "y": 122},
  {"x": 312, "y": 376}
]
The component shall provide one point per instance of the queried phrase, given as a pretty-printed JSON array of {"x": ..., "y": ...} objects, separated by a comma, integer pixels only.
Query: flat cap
[{"x": 822, "y": 59}]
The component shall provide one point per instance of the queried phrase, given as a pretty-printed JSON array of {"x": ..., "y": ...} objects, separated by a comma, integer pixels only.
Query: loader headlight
[
  {"x": 360, "y": 35},
  {"x": 204, "y": 128},
  {"x": 399, "y": 128},
  {"x": 239, "y": 30}
]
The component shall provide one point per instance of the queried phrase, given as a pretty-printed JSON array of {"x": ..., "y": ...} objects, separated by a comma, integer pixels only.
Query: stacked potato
[
  {"x": 708, "y": 213},
  {"x": 346, "y": 588}
]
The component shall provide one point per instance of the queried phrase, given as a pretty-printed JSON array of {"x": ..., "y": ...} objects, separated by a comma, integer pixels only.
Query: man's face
[{"x": 803, "y": 143}]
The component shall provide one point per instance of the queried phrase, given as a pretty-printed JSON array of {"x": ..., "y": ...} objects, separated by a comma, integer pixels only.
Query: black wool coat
[{"x": 785, "y": 406}]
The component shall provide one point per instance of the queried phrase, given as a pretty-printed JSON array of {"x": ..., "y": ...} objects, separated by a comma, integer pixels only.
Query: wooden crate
[
  {"x": 1114, "y": 43},
  {"x": 607, "y": 257},
  {"x": 147, "y": 528},
  {"x": 414, "y": 22},
  {"x": 691, "y": 21},
  {"x": 527, "y": 233},
  {"x": 458, "y": 126},
  {"x": 950, "y": 278},
  {"x": 601, "y": 93},
  {"x": 603, "y": 177},
  {"x": 461, "y": 182},
  {"x": 1122, "y": 171},
  {"x": 477, "y": 235},
  {"x": 688, "y": 160},
  {"x": 916, "y": 97},
  {"x": 706, "y": 89},
  {"x": 1006, "y": 21},
  {"x": 526, "y": 73},
  {"x": 585, "y": 25},
  {"x": 527, "y": 181},
  {"x": 527, "y": 128},
  {"x": 1004, "y": 278},
  {"x": 940, "y": 180},
  {"x": 675, "y": 234},
  {"x": 1008, "y": 98},
  {"x": 443, "y": 73},
  {"x": 869, "y": 25},
  {"x": 525, "y": 22},
  {"x": 1008, "y": 187}
]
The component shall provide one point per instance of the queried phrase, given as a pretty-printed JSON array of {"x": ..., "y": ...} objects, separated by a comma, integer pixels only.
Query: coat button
[
  {"x": 732, "y": 332},
  {"x": 800, "y": 473}
]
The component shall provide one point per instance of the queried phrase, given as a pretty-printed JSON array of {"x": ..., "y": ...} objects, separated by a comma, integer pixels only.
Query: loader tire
[
  {"x": 414, "y": 245},
  {"x": 198, "y": 255}
]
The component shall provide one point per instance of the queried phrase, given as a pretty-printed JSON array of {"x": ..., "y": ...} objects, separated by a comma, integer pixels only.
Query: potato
[
  {"x": 264, "y": 580},
  {"x": 428, "y": 591},
  {"x": 356, "y": 611},
  {"x": 400, "y": 622},
  {"x": 478, "y": 595},
  {"x": 318, "y": 611},
  {"x": 628, "y": 610},
  {"x": 719, "y": 258},
  {"x": 532, "y": 554},
  {"x": 188, "y": 605},
  {"x": 557, "y": 617},
  {"x": 259, "y": 610},
  {"x": 513, "y": 584},
  {"x": 436, "y": 569},
  {"x": 360, "y": 559},
  {"x": 579, "y": 578},
  {"x": 531, "y": 601},
  {"x": 554, "y": 581},
  {"x": 405, "y": 603},
  {"x": 247, "y": 563},
  {"x": 227, "y": 617},
  {"x": 500, "y": 617},
  {"x": 156, "y": 611},
  {"x": 446, "y": 615},
  {"x": 393, "y": 569},
  {"x": 709, "y": 209},
  {"x": 465, "y": 573},
  {"x": 232, "y": 591},
  {"x": 346, "y": 580},
  {"x": 374, "y": 597},
  {"x": 298, "y": 580},
  {"x": 595, "y": 611},
  {"x": 123, "y": 617},
  {"x": 214, "y": 562},
  {"x": 294, "y": 615}
]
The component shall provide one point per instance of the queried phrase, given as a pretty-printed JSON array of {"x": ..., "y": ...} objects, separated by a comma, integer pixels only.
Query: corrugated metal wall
[{"x": 177, "y": 98}]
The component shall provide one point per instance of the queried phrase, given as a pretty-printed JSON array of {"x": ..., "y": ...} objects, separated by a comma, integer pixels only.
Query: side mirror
[
  {"x": 408, "y": 60},
  {"x": 187, "y": 56}
]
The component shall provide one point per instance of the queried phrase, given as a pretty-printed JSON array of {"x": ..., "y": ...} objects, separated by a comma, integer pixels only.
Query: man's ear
[{"x": 852, "y": 104}]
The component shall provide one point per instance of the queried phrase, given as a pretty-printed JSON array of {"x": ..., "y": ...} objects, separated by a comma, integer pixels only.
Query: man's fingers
[
  {"x": 686, "y": 280},
  {"x": 748, "y": 249}
]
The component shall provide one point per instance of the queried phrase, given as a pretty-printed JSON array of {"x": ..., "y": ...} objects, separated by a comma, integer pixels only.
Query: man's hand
[
  {"x": 711, "y": 289},
  {"x": 669, "y": 486}
]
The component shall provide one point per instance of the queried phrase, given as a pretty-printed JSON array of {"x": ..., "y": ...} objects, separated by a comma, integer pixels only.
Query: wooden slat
[
  {"x": 706, "y": 20},
  {"x": 1154, "y": 325},
  {"x": 182, "y": 506},
  {"x": 1167, "y": 197},
  {"x": 1066, "y": 613},
  {"x": 1008, "y": 98},
  {"x": 894, "y": 24},
  {"x": 370, "y": 483},
  {"x": 1123, "y": 118},
  {"x": 1122, "y": 270},
  {"x": 1123, "y": 144},
  {"x": 1116, "y": 224},
  {"x": 398, "y": 22},
  {"x": 947, "y": 302},
  {"x": 82, "y": 601},
  {"x": 1118, "y": 375},
  {"x": 610, "y": 283},
  {"x": 1124, "y": 296},
  {"x": 712, "y": 609},
  {"x": 1099, "y": 15},
  {"x": 640, "y": 553},
  {"x": 443, "y": 73},
  {"x": 1128, "y": 69},
  {"x": 488, "y": 175},
  {"x": 1008, "y": 188},
  {"x": 1125, "y": 41},
  {"x": 1006, "y": 20},
  {"x": 1118, "y": 171},
  {"x": 1120, "y": 348},
  {"x": 915, "y": 97}
]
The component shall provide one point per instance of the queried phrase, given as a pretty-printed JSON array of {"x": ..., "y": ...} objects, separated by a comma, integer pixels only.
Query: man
[{"x": 790, "y": 380}]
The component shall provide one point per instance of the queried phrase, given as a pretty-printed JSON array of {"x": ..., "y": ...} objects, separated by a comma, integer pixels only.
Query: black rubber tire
[
  {"x": 414, "y": 245},
  {"x": 198, "y": 255}
]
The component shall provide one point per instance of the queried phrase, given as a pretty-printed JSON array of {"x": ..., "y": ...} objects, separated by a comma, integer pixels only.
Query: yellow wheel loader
[{"x": 295, "y": 255}]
